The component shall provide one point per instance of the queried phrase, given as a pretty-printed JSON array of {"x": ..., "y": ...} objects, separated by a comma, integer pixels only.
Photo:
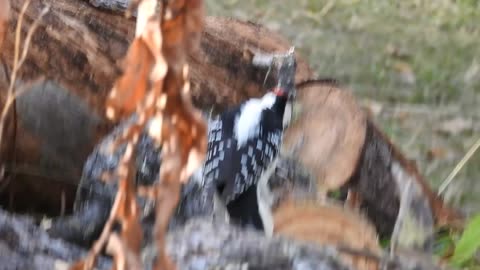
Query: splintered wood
[
  {"x": 330, "y": 225},
  {"x": 155, "y": 87}
]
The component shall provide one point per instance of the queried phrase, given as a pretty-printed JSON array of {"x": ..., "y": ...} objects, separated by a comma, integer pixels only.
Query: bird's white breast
[{"x": 246, "y": 125}]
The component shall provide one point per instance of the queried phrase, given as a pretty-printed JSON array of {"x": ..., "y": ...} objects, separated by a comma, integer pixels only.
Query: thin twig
[
  {"x": 17, "y": 63},
  {"x": 104, "y": 236},
  {"x": 8, "y": 102},
  {"x": 31, "y": 31},
  {"x": 459, "y": 166},
  {"x": 17, "y": 45}
]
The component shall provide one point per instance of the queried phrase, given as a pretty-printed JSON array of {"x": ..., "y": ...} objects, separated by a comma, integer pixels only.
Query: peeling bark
[{"x": 380, "y": 177}]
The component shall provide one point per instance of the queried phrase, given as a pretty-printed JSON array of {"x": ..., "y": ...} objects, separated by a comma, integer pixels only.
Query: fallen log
[
  {"x": 197, "y": 242},
  {"x": 23, "y": 245},
  {"x": 89, "y": 44},
  {"x": 197, "y": 245}
]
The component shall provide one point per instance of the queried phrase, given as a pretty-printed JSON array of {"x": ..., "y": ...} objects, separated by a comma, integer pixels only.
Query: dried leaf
[
  {"x": 131, "y": 88},
  {"x": 124, "y": 259},
  {"x": 4, "y": 18},
  {"x": 146, "y": 88},
  {"x": 183, "y": 130},
  {"x": 144, "y": 68},
  {"x": 129, "y": 214},
  {"x": 182, "y": 33},
  {"x": 329, "y": 225}
]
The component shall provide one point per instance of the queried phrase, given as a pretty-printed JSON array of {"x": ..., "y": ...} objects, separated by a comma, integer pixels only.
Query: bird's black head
[
  {"x": 285, "y": 67},
  {"x": 282, "y": 67}
]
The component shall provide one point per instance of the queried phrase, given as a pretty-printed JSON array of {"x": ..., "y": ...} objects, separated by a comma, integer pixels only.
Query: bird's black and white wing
[
  {"x": 238, "y": 157},
  {"x": 234, "y": 165}
]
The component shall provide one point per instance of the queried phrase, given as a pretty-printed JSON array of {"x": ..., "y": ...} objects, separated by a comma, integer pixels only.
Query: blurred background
[{"x": 414, "y": 64}]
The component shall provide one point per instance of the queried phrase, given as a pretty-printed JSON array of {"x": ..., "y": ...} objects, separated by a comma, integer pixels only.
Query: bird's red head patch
[{"x": 279, "y": 92}]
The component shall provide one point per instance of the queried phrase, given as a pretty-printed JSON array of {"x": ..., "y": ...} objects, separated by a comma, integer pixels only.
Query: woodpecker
[{"x": 243, "y": 146}]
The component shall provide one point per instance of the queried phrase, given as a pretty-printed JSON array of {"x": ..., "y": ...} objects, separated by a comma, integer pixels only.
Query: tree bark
[
  {"x": 197, "y": 245},
  {"x": 89, "y": 44},
  {"x": 380, "y": 178}
]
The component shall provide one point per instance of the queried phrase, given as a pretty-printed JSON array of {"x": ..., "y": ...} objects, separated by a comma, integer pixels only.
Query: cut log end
[
  {"x": 329, "y": 134},
  {"x": 329, "y": 225}
]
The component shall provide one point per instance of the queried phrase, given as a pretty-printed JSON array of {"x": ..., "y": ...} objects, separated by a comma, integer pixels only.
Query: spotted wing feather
[{"x": 234, "y": 169}]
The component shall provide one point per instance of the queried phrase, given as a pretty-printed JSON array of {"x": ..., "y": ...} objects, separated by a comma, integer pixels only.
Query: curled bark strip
[
  {"x": 155, "y": 86},
  {"x": 124, "y": 211},
  {"x": 180, "y": 129},
  {"x": 380, "y": 177}
]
